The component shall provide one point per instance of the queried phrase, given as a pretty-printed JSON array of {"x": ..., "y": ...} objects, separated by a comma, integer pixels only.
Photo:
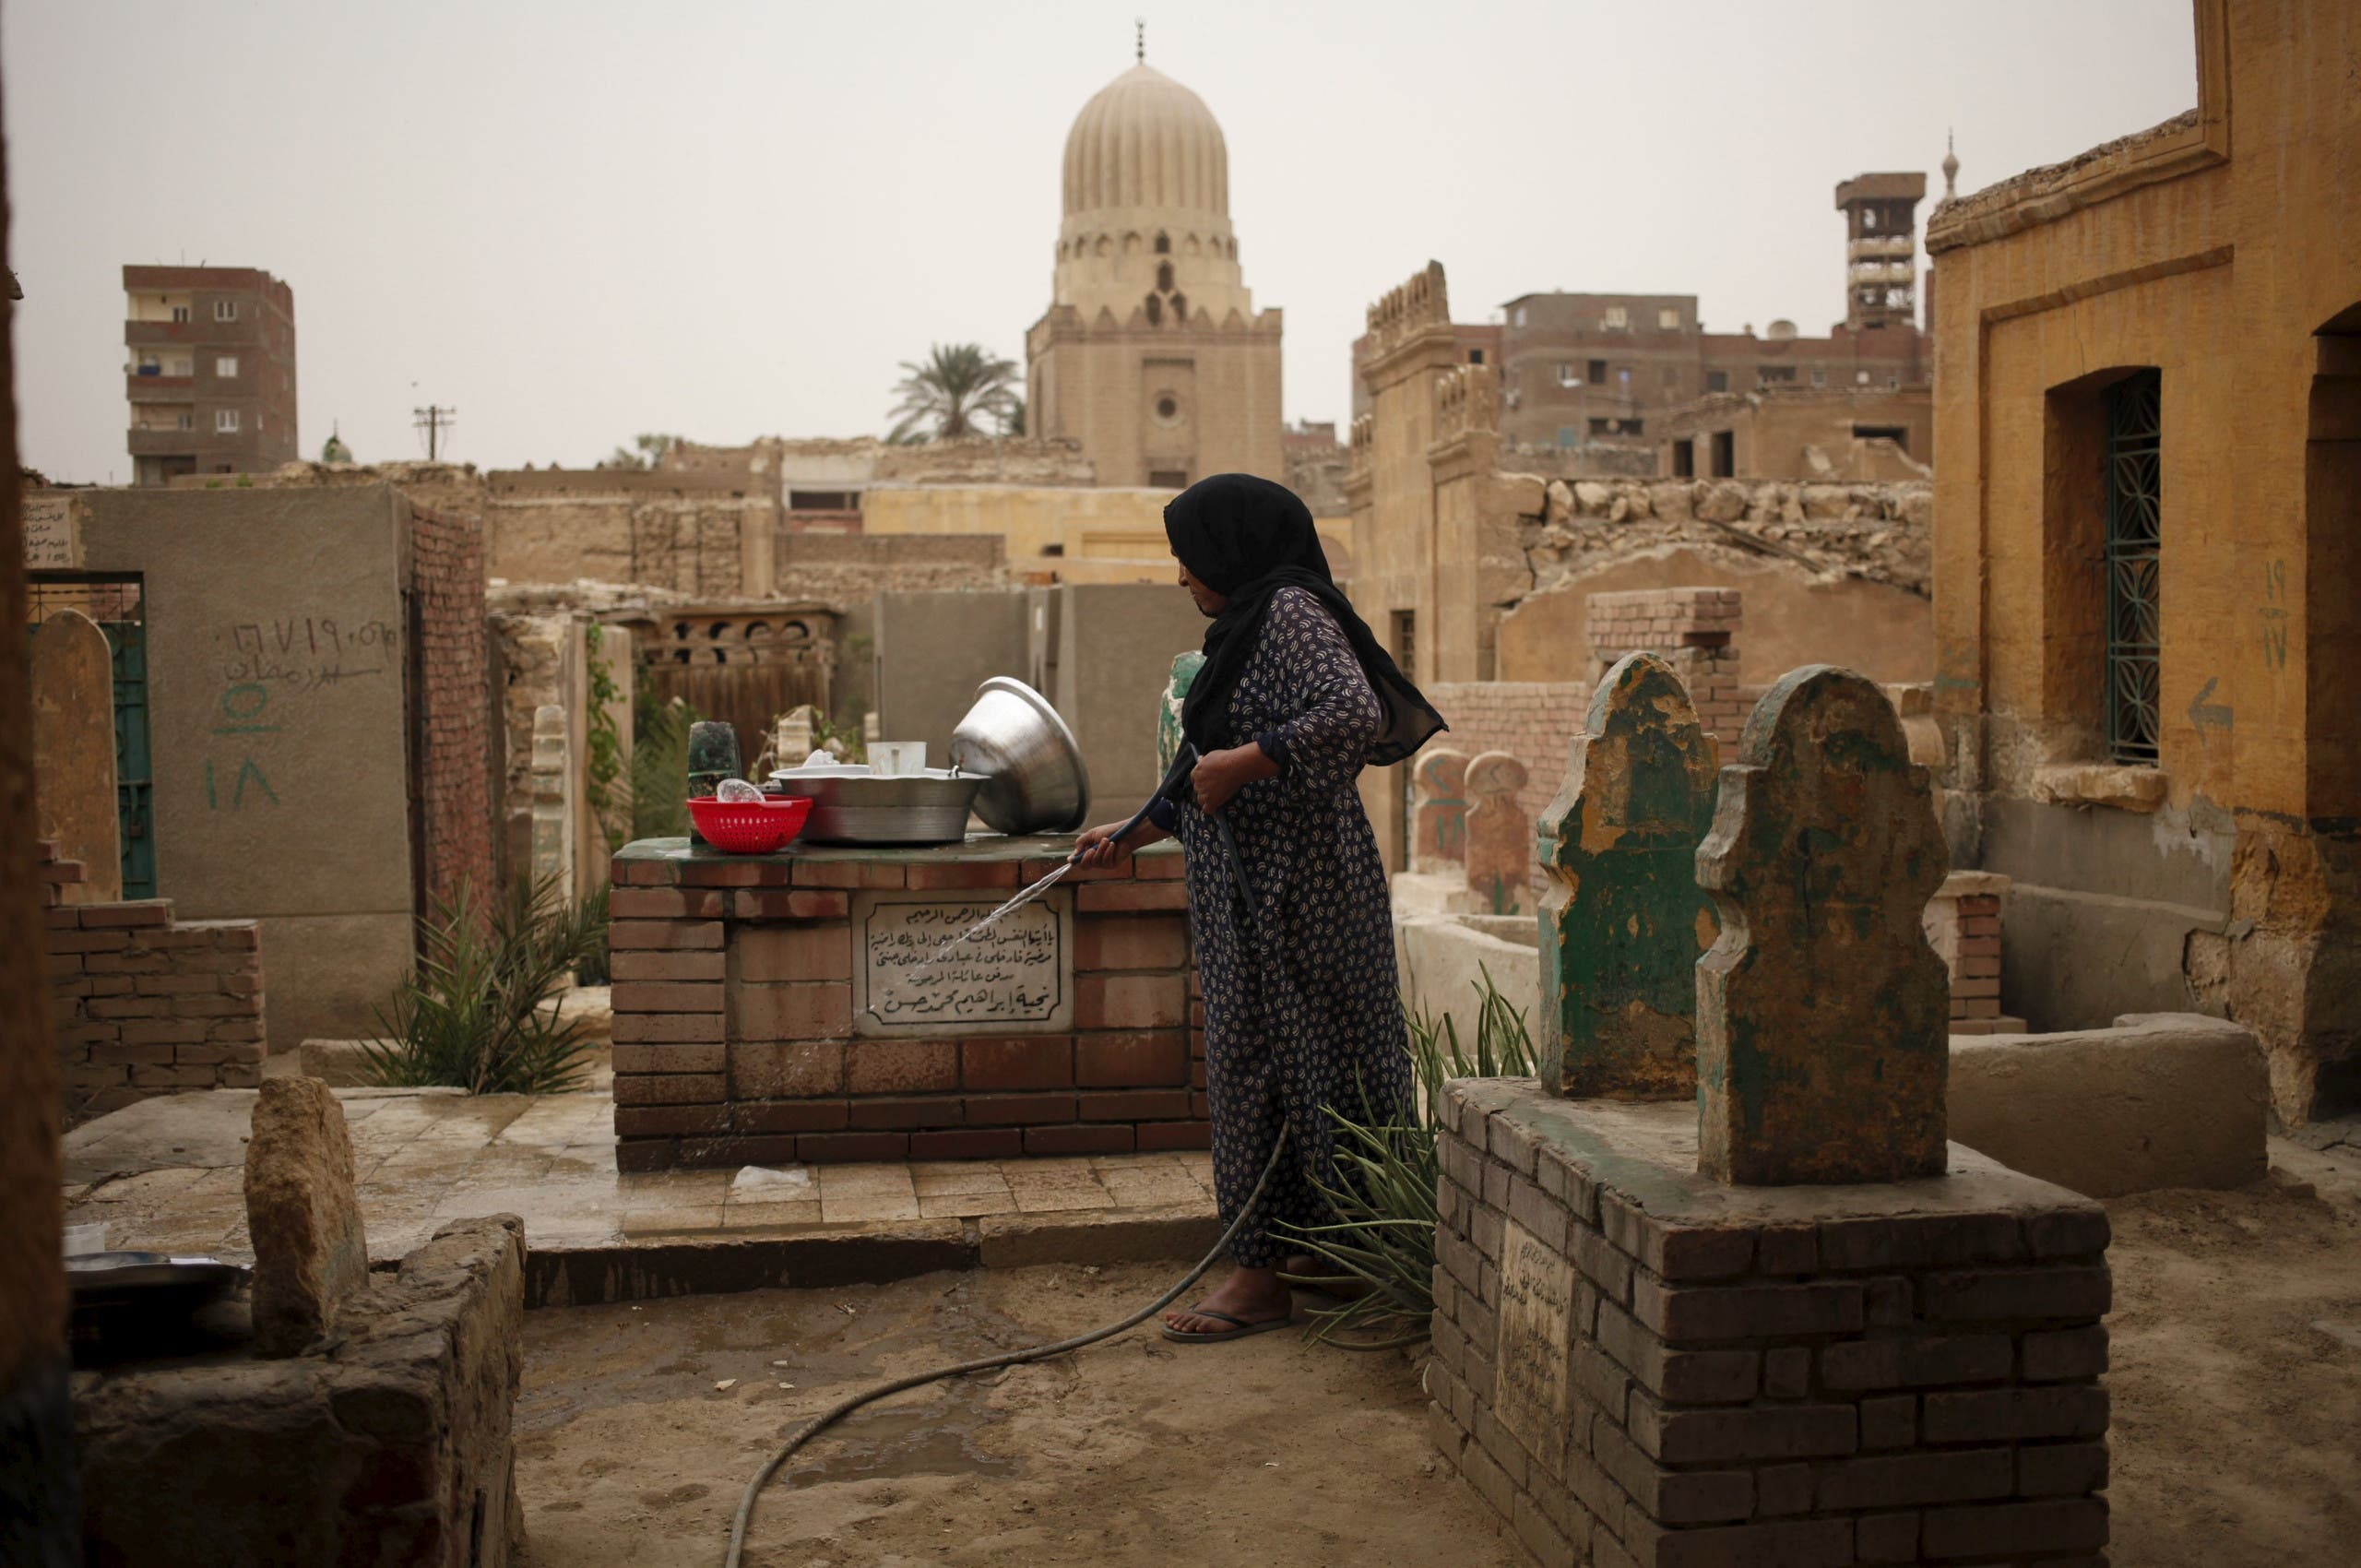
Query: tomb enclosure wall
[
  {"x": 750, "y": 997},
  {"x": 1635, "y": 1364},
  {"x": 145, "y": 1004}
]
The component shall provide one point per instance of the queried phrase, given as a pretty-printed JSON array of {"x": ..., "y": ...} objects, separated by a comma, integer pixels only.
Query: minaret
[{"x": 1881, "y": 248}]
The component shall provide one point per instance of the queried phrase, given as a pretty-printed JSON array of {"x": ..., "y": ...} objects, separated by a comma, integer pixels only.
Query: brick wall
[
  {"x": 733, "y": 1027},
  {"x": 1694, "y": 630},
  {"x": 451, "y": 704},
  {"x": 1962, "y": 925},
  {"x": 1799, "y": 1375},
  {"x": 1533, "y": 721},
  {"x": 145, "y": 1004}
]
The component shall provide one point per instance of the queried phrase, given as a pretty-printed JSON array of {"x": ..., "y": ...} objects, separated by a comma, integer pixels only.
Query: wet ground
[{"x": 1127, "y": 1454}]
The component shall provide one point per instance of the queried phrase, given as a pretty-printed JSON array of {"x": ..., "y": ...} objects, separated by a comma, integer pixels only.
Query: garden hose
[{"x": 837, "y": 1412}]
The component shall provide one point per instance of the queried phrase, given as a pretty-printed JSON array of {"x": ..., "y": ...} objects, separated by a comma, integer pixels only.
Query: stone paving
[{"x": 167, "y": 1175}]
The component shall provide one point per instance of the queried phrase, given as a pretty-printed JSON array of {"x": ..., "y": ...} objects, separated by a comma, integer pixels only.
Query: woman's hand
[
  {"x": 1100, "y": 847},
  {"x": 1220, "y": 775}
]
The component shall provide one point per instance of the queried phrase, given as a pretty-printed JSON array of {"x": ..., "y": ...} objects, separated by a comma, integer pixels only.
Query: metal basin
[
  {"x": 1033, "y": 773},
  {"x": 917, "y": 808}
]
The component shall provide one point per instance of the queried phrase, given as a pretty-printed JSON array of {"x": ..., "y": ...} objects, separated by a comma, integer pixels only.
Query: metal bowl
[
  {"x": 916, "y": 808},
  {"x": 1034, "y": 776}
]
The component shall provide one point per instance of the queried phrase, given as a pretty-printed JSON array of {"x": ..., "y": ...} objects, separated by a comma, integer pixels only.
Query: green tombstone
[
  {"x": 1822, "y": 1042},
  {"x": 1167, "y": 721},
  {"x": 1623, "y": 918}
]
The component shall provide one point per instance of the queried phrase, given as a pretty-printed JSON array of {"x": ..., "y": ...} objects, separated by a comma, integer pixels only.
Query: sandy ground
[
  {"x": 1131, "y": 1455},
  {"x": 2236, "y": 1382}
]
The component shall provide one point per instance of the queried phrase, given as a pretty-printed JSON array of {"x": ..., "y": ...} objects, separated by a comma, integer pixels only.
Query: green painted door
[{"x": 135, "y": 776}]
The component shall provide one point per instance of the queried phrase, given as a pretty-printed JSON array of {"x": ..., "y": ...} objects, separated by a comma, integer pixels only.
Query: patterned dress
[{"x": 1303, "y": 1008}]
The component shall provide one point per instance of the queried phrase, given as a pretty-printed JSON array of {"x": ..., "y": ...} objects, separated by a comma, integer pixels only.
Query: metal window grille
[{"x": 2134, "y": 674}]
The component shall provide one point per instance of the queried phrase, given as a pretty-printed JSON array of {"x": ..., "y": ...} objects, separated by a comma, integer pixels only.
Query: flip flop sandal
[{"x": 1243, "y": 1329}]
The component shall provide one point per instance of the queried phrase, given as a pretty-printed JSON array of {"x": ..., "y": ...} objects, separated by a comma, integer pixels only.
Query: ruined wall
[
  {"x": 1015, "y": 459},
  {"x": 543, "y": 662},
  {"x": 145, "y": 1004},
  {"x": 844, "y": 570},
  {"x": 623, "y": 526}
]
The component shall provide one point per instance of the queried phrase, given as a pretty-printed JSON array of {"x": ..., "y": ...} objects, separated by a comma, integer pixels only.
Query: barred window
[{"x": 2134, "y": 622}]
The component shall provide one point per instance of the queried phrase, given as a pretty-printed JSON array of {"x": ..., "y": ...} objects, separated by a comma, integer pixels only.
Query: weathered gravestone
[
  {"x": 1499, "y": 833},
  {"x": 311, "y": 1253},
  {"x": 552, "y": 799},
  {"x": 1439, "y": 811},
  {"x": 73, "y": 678},
  {"x": 1822, "y": 1051},
  {"x": 1623, "y": 920}
]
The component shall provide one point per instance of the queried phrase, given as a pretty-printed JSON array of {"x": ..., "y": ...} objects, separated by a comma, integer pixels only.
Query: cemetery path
[
  {"x": 1130, "y": 1454},
  {"x": 2236, "y": 1348}
]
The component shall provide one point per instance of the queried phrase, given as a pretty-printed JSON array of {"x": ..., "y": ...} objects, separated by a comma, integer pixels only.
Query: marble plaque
[
  {"x": 1536, "y": 1344},
  {"x": 921, "y": 972},
  {"x": 52, "y": 534}
]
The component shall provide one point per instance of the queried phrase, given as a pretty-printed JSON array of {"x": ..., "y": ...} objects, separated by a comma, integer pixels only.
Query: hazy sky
[{"x": 576, "y": 221}]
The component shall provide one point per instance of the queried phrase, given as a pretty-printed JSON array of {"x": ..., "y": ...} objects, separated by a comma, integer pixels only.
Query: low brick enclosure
[
  {"x": 391, "y": 1443},
  {"x": 781, "y": 1007},
  {"x": 144, "y": 1003},
  {"x": 1636, "y": 1364}
]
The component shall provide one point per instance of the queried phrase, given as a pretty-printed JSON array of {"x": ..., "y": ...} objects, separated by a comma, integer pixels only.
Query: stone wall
[
  {"x": 393, "y": 1444},
  {"x": 145, "y": 1004},
  {"x": 1635, "y": 1364},
  {"x": 1881, "y": 532},
  {"x": 450, "y": 703},
  {"x": 845, "y": 570},
  {"x": 735, "y": 1032}
]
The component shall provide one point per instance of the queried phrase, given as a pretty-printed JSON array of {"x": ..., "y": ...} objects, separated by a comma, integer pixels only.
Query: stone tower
[{"x": 1152, "y": 353}]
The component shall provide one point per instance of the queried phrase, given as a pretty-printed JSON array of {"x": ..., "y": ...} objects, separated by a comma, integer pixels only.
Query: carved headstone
[
  {"x": 74, "y": 752},
  {"x": 1623, "y": 920},
  {"x": 552, "y": 799},
  {"x": 311, "y": 1253},
  {"x": 1821, "y": 1052},
  {"x": 1500, "y": 834},
  {"x": 1439, "y": 811}
]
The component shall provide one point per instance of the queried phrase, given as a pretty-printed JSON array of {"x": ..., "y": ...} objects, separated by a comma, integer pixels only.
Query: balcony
[
  {"x": 164, "y": 443},
  {"x": 141, "y": 388}
]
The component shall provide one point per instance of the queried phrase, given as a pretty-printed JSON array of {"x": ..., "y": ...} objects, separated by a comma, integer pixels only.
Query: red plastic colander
[{"x": 754, "y": 828}]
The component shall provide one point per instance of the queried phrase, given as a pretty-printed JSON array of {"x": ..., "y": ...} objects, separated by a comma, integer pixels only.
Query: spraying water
[{"x": 991, "y": 919}]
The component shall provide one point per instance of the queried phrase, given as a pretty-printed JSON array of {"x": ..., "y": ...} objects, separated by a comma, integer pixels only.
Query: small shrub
[
  {"x": 1381, "y": 1245},
  {"x": 659, "y": 770},
  {"x": 470, "y": 1015}
]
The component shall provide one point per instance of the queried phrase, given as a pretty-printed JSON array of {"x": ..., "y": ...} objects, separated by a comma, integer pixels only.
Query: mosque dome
[{"x": 1146, "y": 142}]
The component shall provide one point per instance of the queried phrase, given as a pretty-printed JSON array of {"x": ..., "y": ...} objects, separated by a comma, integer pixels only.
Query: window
[
  {"x": 225, "y": 310},
  {"x": 2134, "y": 536},
  {"x": 1898, "y": 435},
  {"x": 1718, "y": 381},
  {"x": 1725, "y": 453},
  {"x": 150, "y": 366},
  {"x": 180, "y": 313},
  {"x": 1566, "y": 374},
  {"x": 185, "y": 421},
  {"x": 1164, "y": 247},
  {"x": 1180, "y": 309},
  {"x": 1475, "y": 356},
  {"x": 1168, "y": 408},
  {"x": 1869, "y": 218},
  {"x": 226, "y": 366},
  {"x": 1616, "y": 426},
  {"x": 1769, "y": 373},
  {"x": 1520, "y": 315},
  {"x": 1565, "y": 435},
  {"x": 1164, "y": 274},
  {"x": 180, "y": 364},
  {"x": 1616, "y": 319},
  {"x": 1684, "y": 459},
  {"x": 1155, "y": 311},
  {"x": 225, "y": 421},
  {"x": 1597, "y": 373},
  {"x": 1168, "y": 478},
  {"x": 1668, "y": 319}
]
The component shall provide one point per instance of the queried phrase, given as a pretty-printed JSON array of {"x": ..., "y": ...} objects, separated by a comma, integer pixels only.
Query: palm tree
[{"x": 957, "y": 384}]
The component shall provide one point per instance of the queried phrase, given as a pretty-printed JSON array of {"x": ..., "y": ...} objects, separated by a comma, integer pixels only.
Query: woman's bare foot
[{"x": 1255, "y": 1294}]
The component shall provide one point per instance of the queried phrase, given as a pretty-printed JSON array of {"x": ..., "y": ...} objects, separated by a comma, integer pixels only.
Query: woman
[{"x": 1302, "y": 1003}]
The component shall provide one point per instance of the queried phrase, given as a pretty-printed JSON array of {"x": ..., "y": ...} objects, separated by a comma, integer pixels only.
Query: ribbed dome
[{"x": 1147, "y": 142}]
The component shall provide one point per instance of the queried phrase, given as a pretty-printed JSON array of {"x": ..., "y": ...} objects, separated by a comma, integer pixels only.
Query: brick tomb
[
  {"x": 781, "y": 1007},
  {"x": 1783, "y": 1321}
]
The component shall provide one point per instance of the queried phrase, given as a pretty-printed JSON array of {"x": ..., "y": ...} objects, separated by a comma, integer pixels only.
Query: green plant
[
  {"x": 659, "y": 769},
  {"x": 473, "y": 1014},
  {"x": 1379, "y": 1245},
  {"x": 606, "y": 788},
  {"x": 950, "y": 389}
]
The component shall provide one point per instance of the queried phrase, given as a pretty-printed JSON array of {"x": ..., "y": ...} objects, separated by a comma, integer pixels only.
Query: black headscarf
[{"x": 1247, "y": 538}]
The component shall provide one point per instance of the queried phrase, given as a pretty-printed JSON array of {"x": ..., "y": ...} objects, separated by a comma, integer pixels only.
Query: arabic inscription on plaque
[
  {"x": 926, "y": 969},
  {"x": 1535, "y": 1345}
]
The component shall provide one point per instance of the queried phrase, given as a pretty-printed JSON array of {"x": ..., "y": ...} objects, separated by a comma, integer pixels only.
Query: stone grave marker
[
  {"x": 311, "y": 1253},
  {"x": 1822, "y": 1051},
  {"x": 72, "y": 679},
  {"x": 1439, "y": 811},
  {"x": 1623, "y": 920},
  {"x": 1500, "y": 834}
]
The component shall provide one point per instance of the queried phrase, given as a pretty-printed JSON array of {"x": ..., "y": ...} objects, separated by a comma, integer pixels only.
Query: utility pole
[{"x": 433, "y": 420}]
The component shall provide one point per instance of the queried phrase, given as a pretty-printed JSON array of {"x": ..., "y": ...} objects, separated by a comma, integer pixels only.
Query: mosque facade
[{"x": 1152, "y": 354}]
